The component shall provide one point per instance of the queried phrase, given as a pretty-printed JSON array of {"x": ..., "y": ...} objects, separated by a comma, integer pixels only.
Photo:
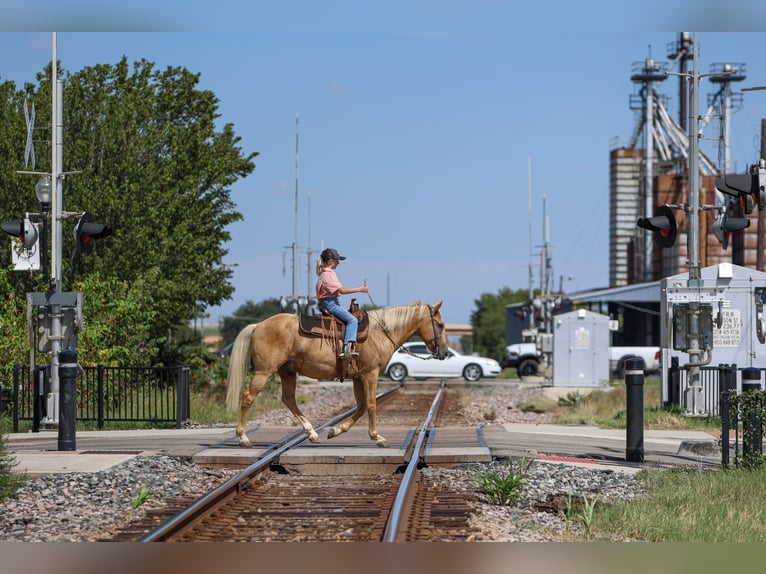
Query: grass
[
  {"x": 210, "y": 407},
  {"x": 691, "y": 505},
  {"x": 605, "y": 408},
  {"x": 682, "y": 504}
]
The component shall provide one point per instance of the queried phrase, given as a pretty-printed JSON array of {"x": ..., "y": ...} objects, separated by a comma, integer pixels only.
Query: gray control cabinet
[
  {"x": 731, "y": 319},
  {"x": 581, "y": 349}
]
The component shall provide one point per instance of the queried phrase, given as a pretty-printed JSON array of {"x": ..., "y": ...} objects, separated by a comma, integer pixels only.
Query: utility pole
[
  {"x": 694, "y": 396},
  {"x": 531, "y": 322},
  {"x": 56, "y": 235}
]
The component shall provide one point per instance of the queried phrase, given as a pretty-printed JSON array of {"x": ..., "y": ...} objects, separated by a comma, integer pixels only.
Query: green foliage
[
  {"x": 14, "y": 335},
  {"x": 142, "y": 495},
  {"x": 746, "y": 407},
  {"x": 504, "y": 489},
  {"x": 244, "y": 315},
  {"x": 583, "y": 512},
  {"x": 118, "y": 326},
  {"x": 10, "y": 480},
  {"x": 690, "y": 504},
  {"x": 605, "y": 408},
  {"x": 488, "y": 321},
  {"x": 570, "y": 400},
  {"x": 152, "y": 163}
]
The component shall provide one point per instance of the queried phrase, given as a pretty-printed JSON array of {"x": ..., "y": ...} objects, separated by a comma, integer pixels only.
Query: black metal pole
[
  {"x": 725, "y": 414},
  {"x": 634, "y": 398},
  {"x": 752, "y": 443},
  {"x": 67, "y": 400},
  {"x": 727, "y": 382},
  {"x": 46, "y": 274},
  {"x": 674, "y": 382}
]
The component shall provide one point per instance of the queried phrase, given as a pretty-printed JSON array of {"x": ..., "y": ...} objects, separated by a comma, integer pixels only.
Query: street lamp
[{"x": 43, "y": 190}]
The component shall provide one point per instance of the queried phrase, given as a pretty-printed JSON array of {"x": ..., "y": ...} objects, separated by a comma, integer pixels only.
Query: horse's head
[{"x": 431, "y": 330}]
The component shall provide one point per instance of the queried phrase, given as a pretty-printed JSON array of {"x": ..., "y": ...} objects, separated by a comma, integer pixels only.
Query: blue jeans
[{"x": 331, "y": 305}]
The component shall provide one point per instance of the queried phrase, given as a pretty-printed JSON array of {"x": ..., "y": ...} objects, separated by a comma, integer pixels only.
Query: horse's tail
[{"x": 239, "y": 361}]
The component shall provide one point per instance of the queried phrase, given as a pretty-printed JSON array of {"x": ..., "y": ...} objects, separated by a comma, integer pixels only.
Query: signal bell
[{"x": 663, "y": 225}]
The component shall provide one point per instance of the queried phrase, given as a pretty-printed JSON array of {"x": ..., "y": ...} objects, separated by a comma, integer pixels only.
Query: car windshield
[{"x": 419, "y": 349}]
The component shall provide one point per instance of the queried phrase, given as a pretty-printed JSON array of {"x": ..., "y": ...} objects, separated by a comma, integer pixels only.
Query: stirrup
[{"x": 349, "y": 352}]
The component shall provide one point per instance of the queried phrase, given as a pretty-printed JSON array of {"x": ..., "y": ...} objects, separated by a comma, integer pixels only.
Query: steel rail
[
  {"x": 397, "y": 509},
  {"x": 236, "y": 483}
]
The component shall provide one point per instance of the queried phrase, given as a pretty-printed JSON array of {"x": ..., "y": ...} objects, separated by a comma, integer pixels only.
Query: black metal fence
[
  {"x": 156, "y": 395},
  {"x": 709, "y": 380}
]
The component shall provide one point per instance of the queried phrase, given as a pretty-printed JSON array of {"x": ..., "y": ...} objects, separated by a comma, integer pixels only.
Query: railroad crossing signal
[
  {"x": 725, "y": 225},
  {"x": 25, "y": 230},
  {"x": 87, "y": 231},
  {"x": 749, "y": 188},
  {"x": 662, "y": 224}
]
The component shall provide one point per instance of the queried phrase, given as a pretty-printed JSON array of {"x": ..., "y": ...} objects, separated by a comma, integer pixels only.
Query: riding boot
[{"x": 349, "y": 351}]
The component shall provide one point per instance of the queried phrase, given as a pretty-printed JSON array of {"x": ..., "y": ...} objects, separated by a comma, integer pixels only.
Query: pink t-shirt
[{"x": 328, "y": 284}]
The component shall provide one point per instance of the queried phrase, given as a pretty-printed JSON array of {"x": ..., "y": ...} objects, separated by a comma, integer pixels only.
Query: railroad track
[{"x": 263, "y": 503}]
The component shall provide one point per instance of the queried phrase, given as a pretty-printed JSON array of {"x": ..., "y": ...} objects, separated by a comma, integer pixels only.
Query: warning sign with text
[{"x": 730, "y": 333}]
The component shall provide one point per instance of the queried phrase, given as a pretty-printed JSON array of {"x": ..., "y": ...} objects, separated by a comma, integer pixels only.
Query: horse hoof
[
  {"x": 381, "y": 443},
  {"x": 244, "y": 442},
  {"x": 314, "y": 437},
  {"x": 332, "y": 432}
]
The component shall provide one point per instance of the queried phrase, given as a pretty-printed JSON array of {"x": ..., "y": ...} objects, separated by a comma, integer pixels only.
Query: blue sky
[{"x": 416, "y": 128}]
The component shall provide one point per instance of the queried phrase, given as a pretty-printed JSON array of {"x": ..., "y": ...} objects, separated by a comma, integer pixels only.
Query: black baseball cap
[{"x": 328, "y": 254}]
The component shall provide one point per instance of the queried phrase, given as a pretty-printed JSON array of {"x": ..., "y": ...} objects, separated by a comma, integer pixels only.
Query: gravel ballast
[{"x": 78, "y": 507}]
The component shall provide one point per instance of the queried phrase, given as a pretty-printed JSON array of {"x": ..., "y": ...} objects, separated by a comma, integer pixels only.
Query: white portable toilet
[{"x": 581, "y": 349}]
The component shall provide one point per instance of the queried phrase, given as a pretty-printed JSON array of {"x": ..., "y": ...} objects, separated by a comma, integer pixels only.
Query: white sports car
[{"x": 421, "y": 366}]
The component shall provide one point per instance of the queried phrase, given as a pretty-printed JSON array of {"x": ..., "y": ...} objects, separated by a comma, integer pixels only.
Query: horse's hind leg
[
  {"x": 289, "y": 381},
  {"x": 246, "y": 401}
]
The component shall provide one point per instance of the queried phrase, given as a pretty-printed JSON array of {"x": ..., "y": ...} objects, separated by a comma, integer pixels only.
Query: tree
[
  {"x": 151, "y": 164},
  {"x": 244, "y": 315},
  {"x": 488, "y": 320}
]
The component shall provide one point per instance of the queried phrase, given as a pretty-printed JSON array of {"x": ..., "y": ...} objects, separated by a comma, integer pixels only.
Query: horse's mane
[{"x": 396, "y": 317}]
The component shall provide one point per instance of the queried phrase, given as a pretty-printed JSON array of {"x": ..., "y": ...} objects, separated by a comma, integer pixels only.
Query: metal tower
[{"x": 647, "y": 75}]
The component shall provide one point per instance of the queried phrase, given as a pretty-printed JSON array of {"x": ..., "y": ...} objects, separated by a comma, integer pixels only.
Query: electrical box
[
  {"x": 727, "y": 302},
  {"x": 581, "y": 349}
]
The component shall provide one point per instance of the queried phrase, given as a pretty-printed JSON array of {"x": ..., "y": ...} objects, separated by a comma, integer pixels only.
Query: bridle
[{"x": 435, "y": 343}]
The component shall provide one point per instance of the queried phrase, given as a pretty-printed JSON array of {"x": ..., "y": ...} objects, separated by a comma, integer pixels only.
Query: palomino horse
[{"x": 276, "y": 345}]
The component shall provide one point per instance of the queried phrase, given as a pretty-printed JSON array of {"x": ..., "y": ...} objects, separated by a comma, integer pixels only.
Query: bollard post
[
  {"x": 634, "y": 398},
  {"x": 752, "y": 441},
  {"x": 674, "y": 382},
  {"x": 727, "y": 382},
  {"x": 67, "y": 400}
]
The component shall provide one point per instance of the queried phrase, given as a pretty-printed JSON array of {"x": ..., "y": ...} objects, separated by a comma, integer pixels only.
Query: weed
[
  {"x": 585, "y": 514},
  {"x": 141, "y": 496},
  {"x": 570, "y": 400},
  {"x": 490, "y": 416},
  {"x": 504, "y": 489}
]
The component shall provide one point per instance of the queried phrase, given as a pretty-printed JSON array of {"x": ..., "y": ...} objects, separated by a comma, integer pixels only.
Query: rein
[{"x": 390, "y": 338}]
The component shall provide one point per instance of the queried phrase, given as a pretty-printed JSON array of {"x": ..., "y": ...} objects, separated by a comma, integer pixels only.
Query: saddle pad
[{"x": 324, "y": 326}]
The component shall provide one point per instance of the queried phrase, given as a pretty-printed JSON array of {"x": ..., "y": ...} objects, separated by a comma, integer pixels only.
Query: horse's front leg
[
  {"x": 371, "y": 390},
  {"x": 289, "y": 381},
  {"x": 361, "y": 405}
]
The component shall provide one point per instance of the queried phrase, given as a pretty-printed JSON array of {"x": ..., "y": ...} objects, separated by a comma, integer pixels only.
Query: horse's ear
[{"x": 437, "y": 306}]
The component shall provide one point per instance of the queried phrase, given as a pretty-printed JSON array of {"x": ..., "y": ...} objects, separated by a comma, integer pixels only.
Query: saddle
[{"x": 332, "y": 330}]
